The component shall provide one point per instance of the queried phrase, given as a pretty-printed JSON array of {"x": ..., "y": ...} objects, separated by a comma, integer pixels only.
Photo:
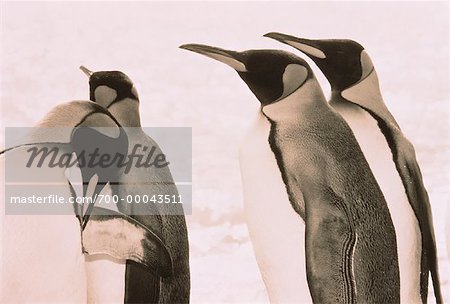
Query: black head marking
[
  {"x": 264, "y": 71},
  {"x": 116, "y": 80},
  {"x": 338, "y": 59}
]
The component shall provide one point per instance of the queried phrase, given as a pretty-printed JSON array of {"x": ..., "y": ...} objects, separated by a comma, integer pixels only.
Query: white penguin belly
[
  {"x": 105, "y": 275},
  {"x": 42, "y": 260},
  {"x": 277, "y": 232},
  {"x": 379, "y": 156},
  {"x": 106, "y": 279}
]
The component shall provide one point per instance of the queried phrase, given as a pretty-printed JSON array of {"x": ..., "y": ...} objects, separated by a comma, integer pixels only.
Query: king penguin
[
  {"x": 346, "y": 237},
  {"x": 43, "y": 252},
  {"x": 114, "y": 91},
  {"x": 357, "y": 97}
]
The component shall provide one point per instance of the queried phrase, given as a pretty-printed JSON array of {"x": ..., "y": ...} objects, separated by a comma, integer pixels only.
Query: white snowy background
[{"x": 43, "y": 44}]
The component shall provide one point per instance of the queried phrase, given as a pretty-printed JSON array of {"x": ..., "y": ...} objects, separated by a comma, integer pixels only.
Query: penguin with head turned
[
  {"x": 114, "y": 91},
  {"x": 357, "y": 97},
  {"x": 48, "y": 264},
  {"x": 349, "y": 240}
]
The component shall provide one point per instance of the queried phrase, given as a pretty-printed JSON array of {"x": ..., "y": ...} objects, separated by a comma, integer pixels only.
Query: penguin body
[
  {"x": 354, "y": 84},
  {"x": 42, "y": 258},
  {"x": 271, "y": 219},
  {"x": 378, "y": 154},
  {"x": 44, "y": 253},
  {"x": 327, "y": 179},
  {"x": 114, "y": 91}
]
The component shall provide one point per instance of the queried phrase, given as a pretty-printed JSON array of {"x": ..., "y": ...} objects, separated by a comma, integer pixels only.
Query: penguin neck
[
  {"x": 305, "y": 98},
  {"x": 361, "y": 92},
  {"x": 366, "y": 94},
  {"x": 126, "y": 112}
]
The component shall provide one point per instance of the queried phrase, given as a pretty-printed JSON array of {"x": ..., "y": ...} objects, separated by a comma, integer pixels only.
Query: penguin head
[
  {"x": 271, "y": 75},
  {"x": 109, "y": 87},
  {"x": 344, "y": 62}
]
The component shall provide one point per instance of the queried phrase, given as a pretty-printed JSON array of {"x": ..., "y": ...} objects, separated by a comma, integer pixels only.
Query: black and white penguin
[
  {"x": 114, "y": 91},
  {"x": 44, "y": 247},
  {"x": 346, "y": 237},
  {"x": 357, "y": 97}
]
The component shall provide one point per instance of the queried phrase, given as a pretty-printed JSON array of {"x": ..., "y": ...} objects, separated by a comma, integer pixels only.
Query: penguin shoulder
[
  {"x": 300, "y": 107},
  {"x": 69, "y": 114}
]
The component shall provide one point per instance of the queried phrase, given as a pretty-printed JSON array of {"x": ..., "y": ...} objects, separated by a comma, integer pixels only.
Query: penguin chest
[
  {"x": 277, "y": 232},
  {"x": 42, "y": 258},
  {"x": 379, "y": 156}
]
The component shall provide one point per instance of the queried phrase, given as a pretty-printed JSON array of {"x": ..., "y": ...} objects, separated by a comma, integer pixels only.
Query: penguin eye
[{"x": 293, "y": 77}]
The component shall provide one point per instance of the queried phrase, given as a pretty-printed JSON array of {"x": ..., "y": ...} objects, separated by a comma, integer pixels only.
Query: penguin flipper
[
  {"x": 346, "y": 262},
  {"x": 417, "y": 193},
  {"x": 329, "y": 246},
  {"x": 122, "y": 237},
  {"x": 141, "y": 285}
]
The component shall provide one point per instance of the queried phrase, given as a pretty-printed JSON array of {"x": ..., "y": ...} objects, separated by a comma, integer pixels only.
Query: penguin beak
[
  {"x": 86, "y": 71},
  {"x": 307, "y": 46},
  {"x": 230, "y": 58}
]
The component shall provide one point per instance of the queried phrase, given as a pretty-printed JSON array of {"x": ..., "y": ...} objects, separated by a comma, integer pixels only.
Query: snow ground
[{"x": 42, "y": 45}]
